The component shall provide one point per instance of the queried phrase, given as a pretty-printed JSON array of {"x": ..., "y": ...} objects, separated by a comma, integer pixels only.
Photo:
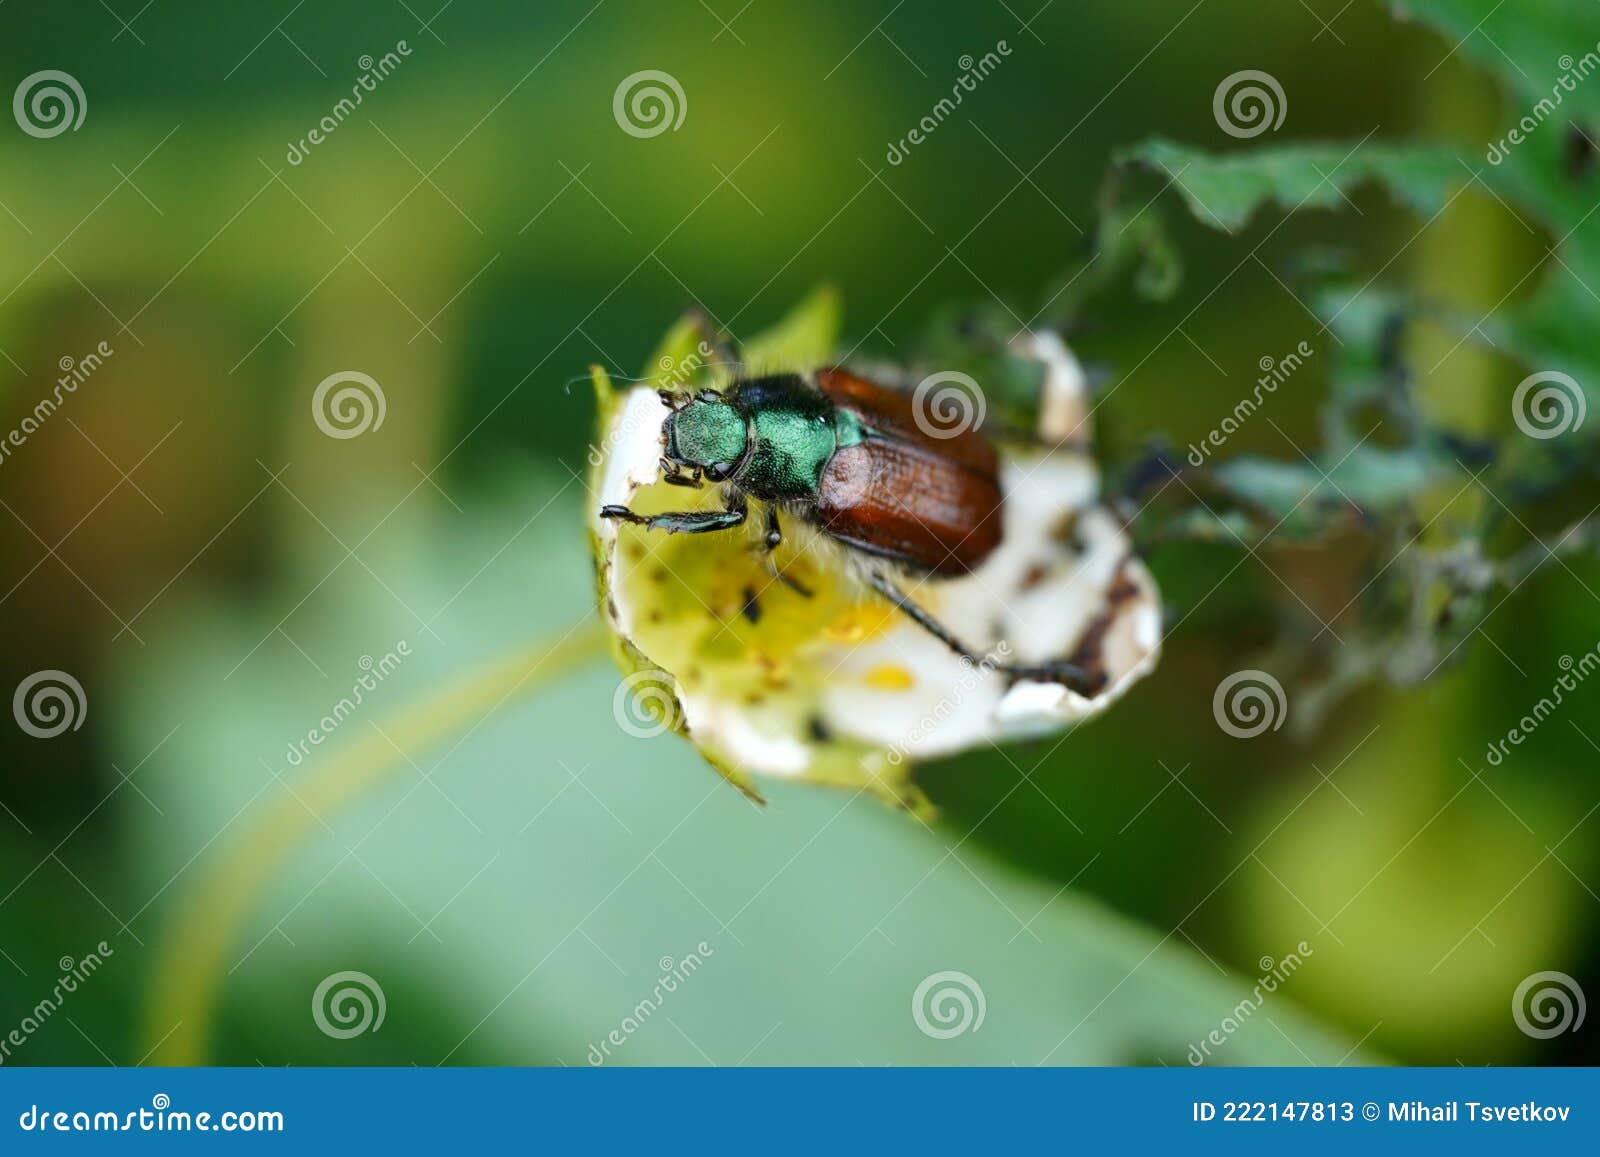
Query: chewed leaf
[
  {"x": 1548, "y": 328},
  {"x": 1226, "y": 191},
  {"x": 785, "y": 663},
  {"x": 1543, "y": 53}
]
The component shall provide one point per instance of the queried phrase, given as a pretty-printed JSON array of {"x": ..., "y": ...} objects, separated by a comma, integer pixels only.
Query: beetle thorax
[{"x": 792, "y": 446}]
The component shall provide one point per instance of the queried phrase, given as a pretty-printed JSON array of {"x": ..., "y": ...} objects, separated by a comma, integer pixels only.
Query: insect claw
[
  {"x": 673, "y": 473},
  {"x": 1069, "y": 675},
  {"x": 621, "y": 514}
]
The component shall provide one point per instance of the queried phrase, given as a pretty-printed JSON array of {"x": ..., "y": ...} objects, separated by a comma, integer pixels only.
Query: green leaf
[
  {"x": 1526, "y": 42},
  {"x": 558, "y": 860},
  {"x": 1226, "y": 191},
  {"x": 1549, "y": 327},
  {"x": 1544, "y": 54}
]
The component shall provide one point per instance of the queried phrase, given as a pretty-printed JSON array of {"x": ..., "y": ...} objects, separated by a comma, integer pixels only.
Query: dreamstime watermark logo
[
  {"x": 1573, "y": 73},
  {"x": 948, "y": 1004},
  {"x": 1249, "y": 103},
  {"x": 1273, "y": 974},
  {"x": 156, "y": 1119},
  {"x": 648, "y": 103},
  {"x": 74, "y": 373},
  {"x": 73, "y": 973},
  {"x": 971, "y": 675},
  {"x": 49, "y": 103},
  {"x": 644, "y": 705},
  {"x": 674, "y": 372},
  {"x": 49, "y": 703},
  {"x": 1549, "y": 404},
  {"x": 373, "y": 73},
  {"x": 973, "y": 72},
  {"x": 1247, "y": 703},
  {"x": 673, "y": 974},
  {"x": 348, "y": 1004},
  {"x": 1274, "y": 372},
  {"x": 1548, "y": 1004},
  {"x": 348, "y": 404},
  {"x": 1575, "y": 673},
  {"x": 373, "y": 673},
  {"x": 947, "y": 404}
]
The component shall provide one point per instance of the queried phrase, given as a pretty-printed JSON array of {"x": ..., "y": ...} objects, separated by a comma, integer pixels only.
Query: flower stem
[{"x": 192, "y": 956}]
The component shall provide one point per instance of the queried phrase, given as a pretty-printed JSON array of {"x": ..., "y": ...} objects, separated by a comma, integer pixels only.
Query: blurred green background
[{"x": 212, "y": 569}]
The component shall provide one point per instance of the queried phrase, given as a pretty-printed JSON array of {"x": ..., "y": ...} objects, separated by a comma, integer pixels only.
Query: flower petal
[{"x": 841, "y": 687}]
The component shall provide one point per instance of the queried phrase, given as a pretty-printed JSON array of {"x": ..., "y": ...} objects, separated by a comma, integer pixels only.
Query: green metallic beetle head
[{"x": 706, "y": 433}]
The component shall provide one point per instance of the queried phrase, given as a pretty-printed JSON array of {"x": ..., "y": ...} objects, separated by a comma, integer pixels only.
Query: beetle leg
[
  {"x": 673, "y": 474},
  {"x": 774, "y": 539},
  {"x": 1069, "y": 675},
  {"x": 921, "y": 617},
  {"x": 696, "y": 522},
  {"x": 793, "y": 584}
]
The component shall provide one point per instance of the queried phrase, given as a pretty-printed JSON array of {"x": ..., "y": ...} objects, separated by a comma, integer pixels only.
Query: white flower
[{"x": 841, "y": 687}]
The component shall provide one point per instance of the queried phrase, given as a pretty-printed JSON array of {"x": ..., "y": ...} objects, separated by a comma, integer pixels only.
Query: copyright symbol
[{"x": 1369, "y": 1111}]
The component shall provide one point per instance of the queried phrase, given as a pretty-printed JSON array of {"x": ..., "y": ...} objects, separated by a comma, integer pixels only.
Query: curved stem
[{"x": 192, "y": 956}]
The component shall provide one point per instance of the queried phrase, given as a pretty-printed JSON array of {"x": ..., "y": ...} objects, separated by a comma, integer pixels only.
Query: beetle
[{"x": 849, "y": 457}]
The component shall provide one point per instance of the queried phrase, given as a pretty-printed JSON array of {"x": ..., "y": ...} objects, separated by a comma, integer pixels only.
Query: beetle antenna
[{"x": 675, "y": 400}]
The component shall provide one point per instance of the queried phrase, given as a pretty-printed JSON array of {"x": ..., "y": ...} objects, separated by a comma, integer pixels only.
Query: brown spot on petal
[
  {"x": 1089, "y": 653},
  {"x": 1123, "y": 589},
  {"x": 1066, "y": 532},
  {"x": 1033, "y": 576}
]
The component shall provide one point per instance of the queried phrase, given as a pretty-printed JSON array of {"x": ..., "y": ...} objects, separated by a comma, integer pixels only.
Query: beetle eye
[{"x": 718, "y": 471}]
